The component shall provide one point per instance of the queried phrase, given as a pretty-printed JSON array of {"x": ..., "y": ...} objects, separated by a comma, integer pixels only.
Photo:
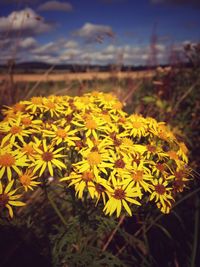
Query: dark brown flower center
[
  {"x": 3, "y": 200},
  {"x": 120, "y": 163},
  {"x": 47, "y": 156},
  {"x": 99, "y": 188},
  {"x": 160, "y": 189},
  {"x": 119, "y": 193}
]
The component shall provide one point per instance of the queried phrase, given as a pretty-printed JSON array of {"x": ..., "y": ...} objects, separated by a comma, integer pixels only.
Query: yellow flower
[
  {"x": 8, "y": 199},
  {"x": 11, "y": 160},
  {"x": 136, "y": 126},
  {"x": 182, "y": 152},
  {"x": 119, "y": 196},
  {"x": 81, "y": 181},
  {"x": 91, "y": 125},
  {"x": 96, "y": 158},
  {"x": 35, "y": 104},
  {"x": 162, "y": 195},
  {"x": 47, "y": 158},
  {"x": 52, "y": 107},
  {"x": 14, "y": 131},
  {"x": 61, "y": 135},
  {"x": 27, "y": 179},
  {"x": 141, "y": 176}
]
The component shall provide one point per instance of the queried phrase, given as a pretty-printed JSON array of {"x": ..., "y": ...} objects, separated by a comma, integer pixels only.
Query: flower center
[
  {"x": 28, "y": 149},
  {"x": 117, "y": 106},
  {"x": 47, "y": 156},
  {"x": 15, "y": 129},
  {"x": 61, "y": 133},
  {"x": 117, "y": 142},
  {"x": 151, "y": 148},
  {"x": 26, "y": 121},
  {"x": 119, "y": 193},
  {"x": 19, "y": 107},
  {"x": 120, "y": 163},
  {"x": 179, "y": 174},
  {"x": 90, "y": 124},
  {"x": 25, "y": 179},
  {"x": 50, "y": 105},
  {"x": 137, "y": 176},
  {"x": 172, "y": 155},
  {"x": 99, "y": 188},
  {"x": 94, "y": 158},
  {"x": 160, "y": 167},
  {"x": 36, "y": 100},
  {"x": 160, "y": 189},
  {"x": 137, "y": 124},
  {"x": 87, "y": 176},
  {"x": 3, "y": 200},
  {"x": 7, "y": 160}
]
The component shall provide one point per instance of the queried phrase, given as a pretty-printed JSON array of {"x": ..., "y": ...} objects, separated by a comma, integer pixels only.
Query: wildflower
[
  {"x": 81, "y": 181},
  {"x": 27, "y": 179},
  {"x": 162, "y": 194},
  {"x": 47, "y": 157},
  {"x": 13, "y": 130},
  {"x": 8, "y": 199},
  {"x": 119, "y": 196},
  {"x": 136, "y": 126},
  {"x": 11, "y": 160},
  {"x": 62, "y": 135}
]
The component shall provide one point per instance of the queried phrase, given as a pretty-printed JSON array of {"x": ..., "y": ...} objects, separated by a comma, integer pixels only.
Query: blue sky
[{"x": 97, "y": 31}]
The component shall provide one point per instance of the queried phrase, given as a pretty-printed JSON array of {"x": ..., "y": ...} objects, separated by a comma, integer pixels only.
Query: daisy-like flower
[
  {"x": 14, "y": 131},
  {"x": 18, "y": 108},
  {"x": 141, "y": 176},
  {"x": 85, "y": 103},
  {"x": 81, "y": 181},
  {"x": 120, "y": 195},
  {"x": 62, "y": 135},
  {"x": 154, "y": 150},
  {"x": 182, "y": 152},
  {"x": 29, "y": 122},
  {"x": 28, "y": 150},
  {"x": 8, "y": 198},
  {"x": 35, "y": 104},
  {"x": 91, "y": 125},
  {"x": 96, "y": 159},
  {"x": 162, "y": 194},
  {"x": 122, "y": 164},
  {"x": 136, "y": 126},
  {"x": 47, "y": 158},
  {"x": 180, "y": 178},
  {"x": 27, "y": 180},
  {"x": 52, "y": 107},
  {"x": 11, "y": 160}
]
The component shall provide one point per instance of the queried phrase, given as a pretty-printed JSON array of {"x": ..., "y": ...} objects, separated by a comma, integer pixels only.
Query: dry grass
[{"x": 55, "y": 77}]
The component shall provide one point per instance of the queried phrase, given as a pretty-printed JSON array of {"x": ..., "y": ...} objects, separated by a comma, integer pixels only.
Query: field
[
  {"x": 88, "y": 76},
  {"x": 71, "y": 230}
]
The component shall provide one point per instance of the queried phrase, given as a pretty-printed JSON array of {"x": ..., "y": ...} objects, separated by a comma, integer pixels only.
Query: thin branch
[{"x": 113, "y": 233}]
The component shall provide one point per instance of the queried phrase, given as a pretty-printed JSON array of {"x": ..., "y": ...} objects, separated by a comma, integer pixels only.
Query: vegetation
[{"x": 63, "y": 223}]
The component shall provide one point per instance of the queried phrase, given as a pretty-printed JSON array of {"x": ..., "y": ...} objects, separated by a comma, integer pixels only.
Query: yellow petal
[{"x": 10, "y": 210}]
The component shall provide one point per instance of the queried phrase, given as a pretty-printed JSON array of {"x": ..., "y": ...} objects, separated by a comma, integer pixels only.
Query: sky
[{"x": 129, "y": 32}]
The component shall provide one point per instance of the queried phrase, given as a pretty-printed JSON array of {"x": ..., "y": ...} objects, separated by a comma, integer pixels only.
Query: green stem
[
  {"x": 196, "y": 232},
  {"x": 57, "y": 211}
]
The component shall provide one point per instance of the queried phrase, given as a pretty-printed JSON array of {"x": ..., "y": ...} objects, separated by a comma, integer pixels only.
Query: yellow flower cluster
[{"x": 89, "y": 143}]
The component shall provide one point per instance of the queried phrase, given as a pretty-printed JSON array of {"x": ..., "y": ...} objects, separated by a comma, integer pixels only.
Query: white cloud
[
  {"x": 28, "y": 42},
  {"x": 71, "y": 44},
  {"x": 94, "y": 32},
  {"x": 55, "y": 6},
  {"x": 26, "y": 21}
]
